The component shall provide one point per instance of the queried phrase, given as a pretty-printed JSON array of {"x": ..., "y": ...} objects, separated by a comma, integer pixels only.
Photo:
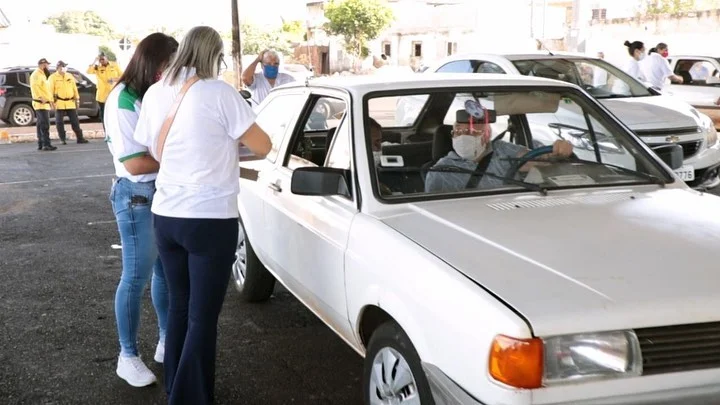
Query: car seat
[{"x": 441, "y": 146}]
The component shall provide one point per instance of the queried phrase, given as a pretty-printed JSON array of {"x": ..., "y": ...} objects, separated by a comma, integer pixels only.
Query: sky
[{"x": 141, "y": 14}]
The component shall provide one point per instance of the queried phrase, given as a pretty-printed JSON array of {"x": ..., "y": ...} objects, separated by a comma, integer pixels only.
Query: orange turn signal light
[{"x": 517, "y": 362}]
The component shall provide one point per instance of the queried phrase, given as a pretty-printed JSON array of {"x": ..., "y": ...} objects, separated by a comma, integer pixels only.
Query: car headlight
[
  {"x": 591, "y": 356},
  {"x": 533, "y": 363},
  {"x": 711, "y": 135}
]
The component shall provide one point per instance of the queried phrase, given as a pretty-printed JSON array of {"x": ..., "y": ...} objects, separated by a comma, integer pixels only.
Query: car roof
[
  {"x": 371, "y": 83},
  {"x": 520, "y": 56},
  {"x": 692, "y": 57},
  {"x": 28, "y": 67}
]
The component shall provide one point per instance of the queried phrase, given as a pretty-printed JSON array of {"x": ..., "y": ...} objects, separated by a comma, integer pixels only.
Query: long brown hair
[{"x": 151, "y": 56}]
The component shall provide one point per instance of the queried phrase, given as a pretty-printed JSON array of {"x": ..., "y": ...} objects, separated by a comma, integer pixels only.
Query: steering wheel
[{"x": 530, "y": 155}]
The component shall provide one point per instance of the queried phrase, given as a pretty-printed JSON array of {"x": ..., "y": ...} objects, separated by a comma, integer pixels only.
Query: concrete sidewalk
[{"x": 30, "y": 136}]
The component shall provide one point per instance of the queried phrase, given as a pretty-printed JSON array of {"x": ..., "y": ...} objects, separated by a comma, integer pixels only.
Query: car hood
[
  {"x": 656, "y": 112},
  {"x": 581, "y": 262}
]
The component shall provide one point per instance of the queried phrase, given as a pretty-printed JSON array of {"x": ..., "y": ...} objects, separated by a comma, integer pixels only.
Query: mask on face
[
  {"x": 642, "y": 56},
  {"x": 376, "y": 157},
  {"x": 664, "y": 54},
  {"x": 468, "y": 147},
  {"x": 271, "y": 72}
]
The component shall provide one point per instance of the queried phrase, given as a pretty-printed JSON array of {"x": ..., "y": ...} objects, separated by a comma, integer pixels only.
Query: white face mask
[
  {"x": 468, "y": 147},
  {"x": 376, "y": 157},
  {"x": 642, "y": 56}
]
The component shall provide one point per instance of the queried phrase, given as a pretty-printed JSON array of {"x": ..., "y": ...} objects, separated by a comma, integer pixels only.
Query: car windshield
[
  {"x": 510, "y": 144},
  {"x": 597, "y": 77}
]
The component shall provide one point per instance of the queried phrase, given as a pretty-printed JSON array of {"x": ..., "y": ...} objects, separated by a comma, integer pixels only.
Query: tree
[
  {"x": 655, "y": 8},
  {"x": 358, "y": 22},
  {"x": 108, "y": 52},
  {"x": 294, "y": 30},
  {"x": 255, "y": 40},
  {"x": 81, "y": 22}
]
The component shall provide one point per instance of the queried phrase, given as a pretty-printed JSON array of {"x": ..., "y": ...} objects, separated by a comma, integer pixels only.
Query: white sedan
[{"x": 513, "y": 274}]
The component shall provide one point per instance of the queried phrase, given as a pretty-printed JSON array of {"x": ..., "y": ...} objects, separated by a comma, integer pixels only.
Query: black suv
[{"x": 16, "y": 99}]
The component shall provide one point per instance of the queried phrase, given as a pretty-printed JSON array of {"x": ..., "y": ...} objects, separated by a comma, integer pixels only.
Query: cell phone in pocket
[{"x": 139, "y": 199}]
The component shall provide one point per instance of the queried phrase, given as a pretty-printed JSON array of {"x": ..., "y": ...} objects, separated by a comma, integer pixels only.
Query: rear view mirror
[
  {"x": 245, "y": 94},
  {"x": 671, "y": 154},
  {"x": 320, "y": 181}
]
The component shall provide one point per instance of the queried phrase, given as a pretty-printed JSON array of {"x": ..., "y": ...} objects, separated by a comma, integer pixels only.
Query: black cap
[
  {"x": 61, "y": 64},
  {"x": 43, "y": 60}
]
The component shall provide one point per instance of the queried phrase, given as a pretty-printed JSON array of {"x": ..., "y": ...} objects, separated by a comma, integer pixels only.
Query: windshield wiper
[
  {"x": 613, "y": 96},
  {"x": 528, "y": 186}
]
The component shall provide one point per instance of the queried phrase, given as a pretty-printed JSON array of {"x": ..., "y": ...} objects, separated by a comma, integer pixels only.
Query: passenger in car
[{"x": 473, "y": 151}]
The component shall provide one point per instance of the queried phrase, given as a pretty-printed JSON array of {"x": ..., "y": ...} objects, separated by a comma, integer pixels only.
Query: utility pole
[{"x": 236, "y": 48}]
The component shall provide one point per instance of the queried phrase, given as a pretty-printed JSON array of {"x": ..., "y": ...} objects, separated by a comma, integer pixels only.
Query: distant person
[
  {"x": 600, "y": 75},
  {"x": 195, "y": 210},
  {"x": 42, "y": 102},
  {"x": 67, "y": 99},
  {"x": 657, "y": 69},
  {"x": 107, "y": 74},
  {"x": 262, "y": 82},
  {"x": 131, "y": 197}
]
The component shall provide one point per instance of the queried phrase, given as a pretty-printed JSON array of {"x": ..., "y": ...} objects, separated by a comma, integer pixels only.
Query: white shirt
[
  {"x": 199, "y": 169},
  {"x": 122, "y": 110},
  {"x": 656, "y": 69},
  {"x": 261, "y": 87},
  {"x": 632, "y": 67}
]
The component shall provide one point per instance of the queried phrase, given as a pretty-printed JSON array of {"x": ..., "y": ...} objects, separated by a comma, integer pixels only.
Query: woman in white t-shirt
[
  {"x": 632, "y": 67},
  {"x": 657, "y": 69},
  {"x": 131, "y": 196},
  {"x": 195, "y": 207}
]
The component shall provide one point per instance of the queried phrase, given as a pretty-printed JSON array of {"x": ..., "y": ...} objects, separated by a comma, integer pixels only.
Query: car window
[
  {"x": 3, "y": 79},
  {"x": 275, "y": 117},
  {"x": 697, "y": 72},
  {"x": 23, "y": 78},
  {"x": 312, "y": 138},
  {"x": 511, "y": 125},
  {"x": 458, "y": 66},
  {"x": 339, "y": 155},
  {"x": 396, "y": 111},
  {"x": 599, "y": 78}
]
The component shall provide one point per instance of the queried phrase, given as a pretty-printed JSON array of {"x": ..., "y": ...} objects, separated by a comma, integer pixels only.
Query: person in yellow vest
[
  {"x": 42, "y": 102},
  {"x": 107, "y": 74},
  {"x": 66, "y": 99}
]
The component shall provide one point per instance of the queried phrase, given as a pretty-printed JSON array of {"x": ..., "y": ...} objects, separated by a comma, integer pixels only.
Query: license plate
[{"x": 686, "y": 173}]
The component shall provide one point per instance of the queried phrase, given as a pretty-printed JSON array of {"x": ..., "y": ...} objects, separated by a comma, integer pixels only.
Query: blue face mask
[{"x": 270, "y": 72}]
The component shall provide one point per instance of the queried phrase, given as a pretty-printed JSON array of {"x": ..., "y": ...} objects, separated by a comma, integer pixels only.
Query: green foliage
[
  {"x": 254, "y": 39},
  {"x": 81, "y": 22},
  {"x": 654, "y": 8},
  {"x": 358, "y": 22},
  {"x": 108, "y": 52},
  {"x": 293, "y": 30}
]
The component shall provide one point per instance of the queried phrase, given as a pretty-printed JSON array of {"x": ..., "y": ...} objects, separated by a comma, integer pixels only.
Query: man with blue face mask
[{"x": 261, "y": 83}]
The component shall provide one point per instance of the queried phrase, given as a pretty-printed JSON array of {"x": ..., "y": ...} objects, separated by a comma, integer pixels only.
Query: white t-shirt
[
  {"x": 199, "y": 169},
  {"x": 122, "y": 109},
  {"x": 261, "y": 87},
  {"x": 656, "y": 69},
  {"x": 632, "y": 67}
]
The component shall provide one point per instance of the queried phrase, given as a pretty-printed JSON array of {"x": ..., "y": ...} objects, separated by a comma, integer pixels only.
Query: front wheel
[
  {"x": 393, "y": 370},
  {"x": 251, "y": 278},
  {"x": 21, "y": 115}
]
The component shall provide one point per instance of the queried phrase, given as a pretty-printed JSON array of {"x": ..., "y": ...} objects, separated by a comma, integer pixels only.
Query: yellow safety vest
[
  {"x": 40, "y": 88},
  {"x": 107, "y": 77},
  {"x": 64, "y": 91}
]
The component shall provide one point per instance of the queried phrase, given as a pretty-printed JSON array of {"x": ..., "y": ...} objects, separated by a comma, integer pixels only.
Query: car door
[
  {"x": 701, "y": 87},
  {"x": 277, "y": 117},
  {"x": 87, "y": 91},
  {"x": 309, "y": 233}
]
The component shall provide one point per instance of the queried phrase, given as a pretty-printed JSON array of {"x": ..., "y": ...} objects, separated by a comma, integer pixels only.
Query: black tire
[
  {"x": 258, "y": 283},
  {"x": 391, "y": 335},
  {"x": 12, "y": 119}
]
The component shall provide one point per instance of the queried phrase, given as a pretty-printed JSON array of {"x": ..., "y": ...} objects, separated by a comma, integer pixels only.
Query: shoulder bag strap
[{"x": 171, "y": 116}]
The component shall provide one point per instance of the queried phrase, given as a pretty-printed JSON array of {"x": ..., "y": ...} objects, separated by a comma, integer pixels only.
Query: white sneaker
[
  {"x": 134, "y": 371},
  {"x": 160, "y": 352}
]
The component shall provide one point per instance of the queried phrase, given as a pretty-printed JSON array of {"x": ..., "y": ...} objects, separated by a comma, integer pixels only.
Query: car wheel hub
[
  {"x": 240, "y": 265},
  {"x": 391, "y": 380},
  {"x": 22, "y": 116}
]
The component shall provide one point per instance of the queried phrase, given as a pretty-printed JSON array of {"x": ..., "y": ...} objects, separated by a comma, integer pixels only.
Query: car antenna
[{"x": 545, "y": 48}]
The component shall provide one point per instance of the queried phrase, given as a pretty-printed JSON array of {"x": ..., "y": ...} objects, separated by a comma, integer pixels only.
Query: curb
[{"x": 32, "y": 137}]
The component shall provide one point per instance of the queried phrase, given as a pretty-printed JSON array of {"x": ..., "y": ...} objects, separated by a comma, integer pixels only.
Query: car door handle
[{"x": 275, "y": 187}]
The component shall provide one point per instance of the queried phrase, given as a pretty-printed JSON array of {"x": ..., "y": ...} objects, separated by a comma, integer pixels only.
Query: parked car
[
  {"x": 567, "y": 282},
  {"x": 701, "y": 83},
  {"x": 16, "y": 99},
  {"x": 656, "y": 119}
]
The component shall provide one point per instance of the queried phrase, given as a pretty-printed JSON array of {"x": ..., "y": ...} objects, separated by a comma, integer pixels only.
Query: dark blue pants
[
  {"x": 197, "y": 255},
  {"x": 43, "y": 127},
  {"x": 74, "y": 123}
]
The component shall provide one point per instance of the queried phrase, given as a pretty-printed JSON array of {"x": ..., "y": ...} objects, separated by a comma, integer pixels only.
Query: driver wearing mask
[{"x": 473, "y": 151}]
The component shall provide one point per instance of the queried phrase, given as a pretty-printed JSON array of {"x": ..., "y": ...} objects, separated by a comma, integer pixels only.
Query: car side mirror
[
  {"x": 245, "y": 94},
  {"x": 320, "y": 181},
  {"x": 671, "y": 154}
]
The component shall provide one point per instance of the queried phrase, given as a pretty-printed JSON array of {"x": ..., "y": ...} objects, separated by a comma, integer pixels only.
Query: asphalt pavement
[{"x": 58, "y": 275}]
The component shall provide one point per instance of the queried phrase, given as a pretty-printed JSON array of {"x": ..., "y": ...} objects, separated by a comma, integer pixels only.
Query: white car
[
  {"x": 701, "y": 83},
  {"x": 657, "y": 119},
  {"x": 546, "y": 281}
]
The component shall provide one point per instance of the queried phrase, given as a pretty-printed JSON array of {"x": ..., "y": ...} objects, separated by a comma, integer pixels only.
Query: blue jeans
[{"x": 131, "y": 204}]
